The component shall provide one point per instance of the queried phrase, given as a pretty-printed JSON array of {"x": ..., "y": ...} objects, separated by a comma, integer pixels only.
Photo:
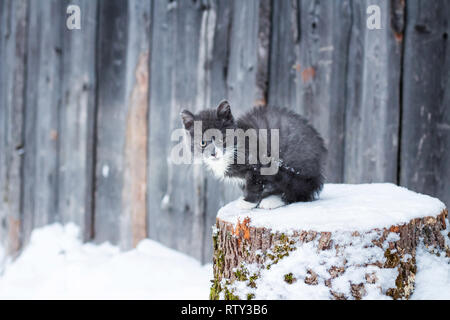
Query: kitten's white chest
[{"x": 218, "y": 166}]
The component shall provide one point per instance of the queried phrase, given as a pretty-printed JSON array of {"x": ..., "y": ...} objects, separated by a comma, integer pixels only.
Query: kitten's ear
[
  {"x": 188, "y": 119},
  {"x": 224, "y": 111}
]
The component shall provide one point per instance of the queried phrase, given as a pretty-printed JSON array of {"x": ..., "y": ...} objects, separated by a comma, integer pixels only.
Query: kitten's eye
[{"x": 203, "y": 143}]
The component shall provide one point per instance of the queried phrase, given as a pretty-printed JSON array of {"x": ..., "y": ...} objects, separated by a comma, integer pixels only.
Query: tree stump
[{"x": 354, "y": 242}]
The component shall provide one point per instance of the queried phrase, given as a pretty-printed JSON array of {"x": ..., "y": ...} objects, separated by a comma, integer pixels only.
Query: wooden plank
[
  {"x": 134, "y": 214},
  {"x": 373, "y": 106},
  {"x": 216, "y": 195},
  {"x": 263, "y": 51},
  {"x": 3, "y": 219},
  {"x": 12, "y": 86},
  {"x": 206, "y": 193},
  {"x": 282, "y": 86},
  {"x": 243, "y": 57},
  {"x": 324, "y": 46},
  {"x": 77, "y": 117},
  {"x": 425, "y": 135},
  {"x": 189, "y": 18},
  {"x": 30, "y": 125},
  {"x": 110, "y": 119},
  {"x": 43, "y": 100},
  {"x": 121, "y": 155},
  {"x": 173, "y": 86},
  {"x": 110, "y": 138},
  {"x": 308, "y": 68},
  {"x": 443, "y": 127},
  {"x": 162, "y": 44},
  {"x": 218, "y": 70}
]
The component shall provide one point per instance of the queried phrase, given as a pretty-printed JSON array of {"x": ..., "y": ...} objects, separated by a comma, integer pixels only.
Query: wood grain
[
  {"x": 42, "y": 114},
  {"x": 77, "y": 120},
  {"x": 425, "y": 137},
  {"x": 13, "y": 49}
]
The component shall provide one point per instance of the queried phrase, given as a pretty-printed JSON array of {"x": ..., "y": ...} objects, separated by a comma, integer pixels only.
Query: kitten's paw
[
  {"x": 245, "y": 205},
  {"x": 271, "y": 202}
]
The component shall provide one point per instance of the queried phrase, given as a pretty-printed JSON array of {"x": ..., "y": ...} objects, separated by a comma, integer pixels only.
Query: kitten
[{"x": 299, "y": 160}]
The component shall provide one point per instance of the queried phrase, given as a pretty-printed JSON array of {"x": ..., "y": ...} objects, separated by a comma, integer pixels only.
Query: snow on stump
[{"x": 355, "y": 242}]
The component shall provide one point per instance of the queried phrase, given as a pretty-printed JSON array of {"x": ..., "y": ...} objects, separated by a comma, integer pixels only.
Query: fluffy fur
[{"x": 301, "y": 152}]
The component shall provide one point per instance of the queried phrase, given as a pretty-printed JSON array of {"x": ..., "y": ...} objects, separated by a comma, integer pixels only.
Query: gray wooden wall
[{"x": 86, "y": 115}]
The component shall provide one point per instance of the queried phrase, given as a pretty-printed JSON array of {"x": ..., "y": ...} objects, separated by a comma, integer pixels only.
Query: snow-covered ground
[
  {"x": 433, "y": 277},
  {"x": 56, "y": 265}
]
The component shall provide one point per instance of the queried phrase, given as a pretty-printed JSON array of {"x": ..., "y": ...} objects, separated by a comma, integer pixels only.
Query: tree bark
[{"x": 240, "y": 245}]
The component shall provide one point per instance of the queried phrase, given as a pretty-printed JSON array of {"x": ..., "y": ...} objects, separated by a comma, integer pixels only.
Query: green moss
[
  {"x": 283, "y": 245},
  {"x": 219, "y": 263},
  {"x": 245, "y": 252},
  {"x": 241, "y": 274},
  {"x": 413, "y": 268},
  {"x": 285, "y": 239},
  {"x": 250, "y": 296},
  {"x": 220, "y": 260},
  {"x": 215, "y": 290},
  {"x": 392, "y": 259},
  {"x": 394, "y": 293},
  {"x": 404, "y": 283},
  {"x": 229, "y": 294},
  {"x": 289, "y": 278},
  {"x": 252, "y": 281},
  {"x": 215, "y": 241},
  {"x": 280, "y": 250}
]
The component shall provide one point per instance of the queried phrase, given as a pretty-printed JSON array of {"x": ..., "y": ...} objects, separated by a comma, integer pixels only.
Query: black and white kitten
[{"x": 300, "y": 161}]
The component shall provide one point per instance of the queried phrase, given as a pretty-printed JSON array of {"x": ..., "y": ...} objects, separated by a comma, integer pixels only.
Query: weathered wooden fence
[{"x": 86, "y": 115}]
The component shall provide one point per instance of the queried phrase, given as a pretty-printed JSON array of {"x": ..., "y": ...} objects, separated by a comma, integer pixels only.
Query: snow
[
  {"x": 343, "y": 207},
  {"x": 105, "y": 171},
  {"x": 57, "y": 265},
  {"x": 433, "y": 276},
  {"x": 2, "y": 257}
]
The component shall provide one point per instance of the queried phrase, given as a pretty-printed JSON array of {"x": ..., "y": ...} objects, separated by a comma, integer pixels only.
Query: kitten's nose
[{"x": 213, "y": 152}]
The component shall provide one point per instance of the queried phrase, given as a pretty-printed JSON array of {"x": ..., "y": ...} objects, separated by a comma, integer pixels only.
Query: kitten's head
[{"x": 209, "y": 142}]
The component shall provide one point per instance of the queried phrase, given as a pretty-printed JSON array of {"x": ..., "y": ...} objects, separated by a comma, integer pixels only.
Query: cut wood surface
[{"x": 355, "y": 242}]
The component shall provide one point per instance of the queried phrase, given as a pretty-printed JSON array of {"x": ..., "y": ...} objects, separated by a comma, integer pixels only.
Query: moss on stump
[{"x": 350, "y": 265}]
